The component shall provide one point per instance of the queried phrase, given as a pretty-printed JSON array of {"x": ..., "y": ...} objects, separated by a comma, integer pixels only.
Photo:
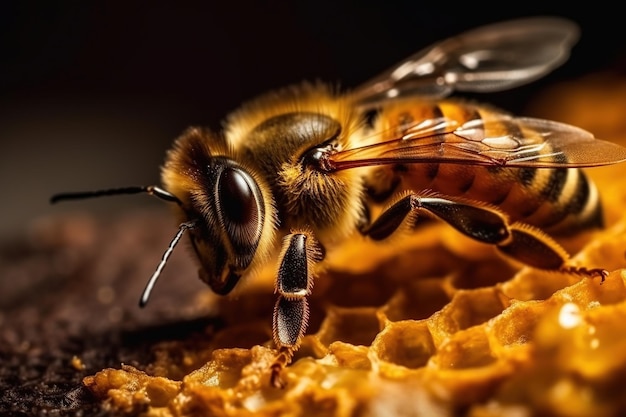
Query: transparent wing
[
  {"x": 490, "y": 58},
  {"x": 502, "y": 140}
]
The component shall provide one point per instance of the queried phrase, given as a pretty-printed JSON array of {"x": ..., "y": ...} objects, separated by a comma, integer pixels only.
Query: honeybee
[{"x": 298, "y": 170}]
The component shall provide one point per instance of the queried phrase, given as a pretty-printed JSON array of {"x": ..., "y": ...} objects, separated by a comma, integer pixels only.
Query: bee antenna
[
  {"x": 150, "y": 189},
  {"x": 145, "y": 295}
]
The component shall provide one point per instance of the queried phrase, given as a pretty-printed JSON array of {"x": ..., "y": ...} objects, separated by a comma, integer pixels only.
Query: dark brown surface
[{"x": 69, "y": 288}]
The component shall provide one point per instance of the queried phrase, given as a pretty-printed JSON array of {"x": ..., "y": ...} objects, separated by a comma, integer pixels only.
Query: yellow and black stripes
[{"x": 560, "y": 200}]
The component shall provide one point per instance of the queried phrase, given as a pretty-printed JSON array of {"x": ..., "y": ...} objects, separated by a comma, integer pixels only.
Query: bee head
[{"x": 226, "y": 203}]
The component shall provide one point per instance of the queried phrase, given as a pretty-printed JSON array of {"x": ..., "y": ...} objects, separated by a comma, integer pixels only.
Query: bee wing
[
  {"x": 490, "y": 58},
  {"x": 502, "y": 140}
]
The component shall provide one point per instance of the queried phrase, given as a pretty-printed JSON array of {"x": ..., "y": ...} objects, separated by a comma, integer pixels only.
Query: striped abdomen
[{"x": 557, "y": 200}]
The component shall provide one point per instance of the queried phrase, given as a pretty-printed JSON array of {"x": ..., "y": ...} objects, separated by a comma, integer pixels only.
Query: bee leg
[
  {"x": 485, "y": 224},
  {"x": 294, "y": 282},
  {"x": 470, "y": 218},
  {"x": 533, "y": 247}
]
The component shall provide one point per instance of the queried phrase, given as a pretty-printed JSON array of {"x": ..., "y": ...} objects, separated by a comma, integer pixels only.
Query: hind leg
[{"x": 483, "y": 223}]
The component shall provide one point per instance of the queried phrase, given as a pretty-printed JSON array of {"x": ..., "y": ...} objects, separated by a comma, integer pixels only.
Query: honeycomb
[{"x": 432, "y": 324}]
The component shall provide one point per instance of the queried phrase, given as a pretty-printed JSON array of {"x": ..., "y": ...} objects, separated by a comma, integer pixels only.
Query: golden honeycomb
[{"x": 431, "y": 325}]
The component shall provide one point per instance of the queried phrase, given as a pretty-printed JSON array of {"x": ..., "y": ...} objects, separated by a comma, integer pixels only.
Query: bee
[{"x": 301, "y": 169}]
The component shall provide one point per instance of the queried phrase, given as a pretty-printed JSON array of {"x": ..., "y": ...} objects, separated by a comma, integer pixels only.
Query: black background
[{"x": 93, "y": 92}]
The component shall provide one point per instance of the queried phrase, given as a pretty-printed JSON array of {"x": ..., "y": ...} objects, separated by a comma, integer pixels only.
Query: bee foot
[
  {"x": 590, "y": 273},
  {"x": 276, "y": 369},
  {"x": 276, "y": 379}
]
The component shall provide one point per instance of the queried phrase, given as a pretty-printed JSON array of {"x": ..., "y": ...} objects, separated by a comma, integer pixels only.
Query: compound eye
[
  {"x": 240, "y": 208},
  {"x": 237, "y": 198}
]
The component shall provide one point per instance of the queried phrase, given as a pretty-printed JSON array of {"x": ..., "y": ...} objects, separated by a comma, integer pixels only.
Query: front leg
[{"x": 300, "y": 252}]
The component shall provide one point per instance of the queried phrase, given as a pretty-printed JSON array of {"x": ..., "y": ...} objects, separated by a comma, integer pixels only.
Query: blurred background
[{"x": 93, "y": 93}]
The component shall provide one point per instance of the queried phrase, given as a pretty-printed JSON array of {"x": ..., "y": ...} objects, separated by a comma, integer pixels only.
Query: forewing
[
  {"x": 501, "y": 140},
  {"x": 490, "y": 58}
]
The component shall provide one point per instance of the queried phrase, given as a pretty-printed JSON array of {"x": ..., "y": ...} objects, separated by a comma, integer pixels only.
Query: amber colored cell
[
  {"x": 357, "y": 326},
  {"x": 406, "y": 343},
  {"x": 417, "y": 300}
]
